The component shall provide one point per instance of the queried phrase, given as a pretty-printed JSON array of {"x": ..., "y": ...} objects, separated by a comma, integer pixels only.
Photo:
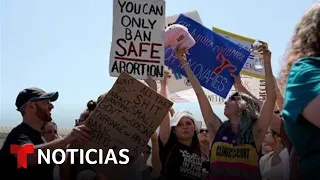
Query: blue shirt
[{"x": 303, "y": 85}]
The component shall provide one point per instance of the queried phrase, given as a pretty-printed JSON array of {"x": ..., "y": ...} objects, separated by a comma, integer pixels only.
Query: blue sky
[{"x": 64, "y": 45}]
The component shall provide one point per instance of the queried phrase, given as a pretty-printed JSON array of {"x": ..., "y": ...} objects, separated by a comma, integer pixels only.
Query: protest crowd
[{"x": 270, "y": 139}]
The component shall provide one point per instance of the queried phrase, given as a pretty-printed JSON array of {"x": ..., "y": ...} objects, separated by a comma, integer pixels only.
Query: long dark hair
[
  {"x": 173, "y": 141},
  {"x": 195, "y": 144}
]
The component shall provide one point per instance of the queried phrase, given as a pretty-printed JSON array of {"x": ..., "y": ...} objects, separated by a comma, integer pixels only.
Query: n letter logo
[{"x": 21, "y": 152}]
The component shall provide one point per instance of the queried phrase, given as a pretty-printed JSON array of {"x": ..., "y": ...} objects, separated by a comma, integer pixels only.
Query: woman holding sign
[
  {"x": 234, "y": 152},
  {"x": 179, "y": 146}
]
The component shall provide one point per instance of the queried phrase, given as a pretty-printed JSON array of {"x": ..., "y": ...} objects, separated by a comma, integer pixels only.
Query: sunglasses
[
  {"x": 234, "y": 98},
  {"x": 204, "y": 130}
]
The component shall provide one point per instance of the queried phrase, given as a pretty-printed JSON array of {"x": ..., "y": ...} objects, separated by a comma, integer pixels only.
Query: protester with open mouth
[
  {"x": 180, "y": 152},
  {"x": 35, "y": 106}
]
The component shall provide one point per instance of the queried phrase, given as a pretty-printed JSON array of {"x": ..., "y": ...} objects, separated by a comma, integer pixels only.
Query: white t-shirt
[{"x": 277, "y": 172}]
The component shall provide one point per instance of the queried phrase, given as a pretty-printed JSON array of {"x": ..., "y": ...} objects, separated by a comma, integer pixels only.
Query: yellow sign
[{"x": 245, "y": 42}]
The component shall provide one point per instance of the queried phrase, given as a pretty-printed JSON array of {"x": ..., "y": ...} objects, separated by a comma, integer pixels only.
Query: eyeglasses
[{"x": 204, "y": 130}]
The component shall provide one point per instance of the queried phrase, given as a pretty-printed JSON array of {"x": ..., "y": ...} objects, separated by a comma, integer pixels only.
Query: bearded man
[{"x": 35, "y": 106}]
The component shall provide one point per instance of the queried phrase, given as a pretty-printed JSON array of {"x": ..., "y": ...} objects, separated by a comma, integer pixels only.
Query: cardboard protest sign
[
  {"x": 138, "y": 38},
  {"x": 211, "y": 59},
  {"x": 244, "y": 42},
  {"x": 125, "y": 119}
]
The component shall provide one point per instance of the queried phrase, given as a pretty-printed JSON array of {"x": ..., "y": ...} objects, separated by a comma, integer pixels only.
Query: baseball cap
[
  {"x": 177, "y": 34},
  {"x": 180, "y": 114},
  {"x": 34, "y": 94}
]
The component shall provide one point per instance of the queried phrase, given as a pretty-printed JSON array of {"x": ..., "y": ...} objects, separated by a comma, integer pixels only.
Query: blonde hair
[{"x": 305, "y": 41}]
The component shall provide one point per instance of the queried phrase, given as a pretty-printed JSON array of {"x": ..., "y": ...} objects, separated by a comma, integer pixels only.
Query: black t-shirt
[
  {"x": 20, "y": 135},
  {"x": 180, "y": 162},
  {"x": 82, "y": 171}
]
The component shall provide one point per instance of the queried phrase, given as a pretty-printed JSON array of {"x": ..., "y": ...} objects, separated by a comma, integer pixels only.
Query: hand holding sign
[
  {"x": 181, "y": 54},
  {"x": 79, "y": 134},
  {"x": 237, "y": 83},
  {"x": 263, "y": 52},
  {"x": 151, "y": 83},
  {"x": 266, "y": 54},
  {"x": 166, "y": 77}
]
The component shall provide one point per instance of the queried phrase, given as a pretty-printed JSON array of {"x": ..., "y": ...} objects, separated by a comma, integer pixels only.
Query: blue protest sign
[{"x": 211, "y": 59}]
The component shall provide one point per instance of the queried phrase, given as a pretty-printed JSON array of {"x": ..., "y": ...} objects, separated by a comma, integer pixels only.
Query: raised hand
[
  {"x": 79, "y": 134},
  {"x": 265, "y": 53},
  {"x": 181, "y": 54},
  {"x": 151, "y": 83},
  {"x": 166, "y": 77},
  {"x": 237, "y": 83},
  {"x": 278, "y": 145}
]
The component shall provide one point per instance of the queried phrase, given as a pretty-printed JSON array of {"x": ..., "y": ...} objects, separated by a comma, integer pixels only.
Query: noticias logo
[{"x": 84, "y": 157}]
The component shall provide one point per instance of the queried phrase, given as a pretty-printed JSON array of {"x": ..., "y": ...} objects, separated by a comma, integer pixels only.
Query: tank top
[{"x": 231, "y": 161}]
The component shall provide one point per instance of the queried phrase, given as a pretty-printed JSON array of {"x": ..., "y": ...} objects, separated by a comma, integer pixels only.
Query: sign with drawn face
[{"x": 138, "y": 39}]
